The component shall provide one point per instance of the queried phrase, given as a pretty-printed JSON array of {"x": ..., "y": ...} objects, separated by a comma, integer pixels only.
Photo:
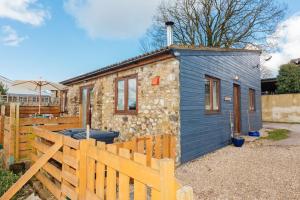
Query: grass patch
[{"x": 277, "y": 134}]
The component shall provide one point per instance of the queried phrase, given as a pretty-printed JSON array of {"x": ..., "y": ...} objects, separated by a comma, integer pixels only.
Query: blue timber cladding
[{"x": 203, "y": 133}]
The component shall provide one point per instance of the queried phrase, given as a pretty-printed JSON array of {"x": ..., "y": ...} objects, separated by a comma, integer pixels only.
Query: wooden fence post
[
  {"x": 82, "y": 169},
  {"x": 17, "y": 132},
  {"x": 11, "y": 137},
  {"x": 64, "y": 168},
  {"x": 2, "y": 110},
  {"x": 167, "y": 179},
  {"x": 166, "y": 146},
  {"x": 78, "y": 152},
  {"x": 173, "y": 147},
  {"x": 185, "y": 193},
  {"x": 2, "y": 124}
]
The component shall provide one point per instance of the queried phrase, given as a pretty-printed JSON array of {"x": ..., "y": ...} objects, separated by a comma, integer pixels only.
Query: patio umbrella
[{"x": 39, "y": 85}]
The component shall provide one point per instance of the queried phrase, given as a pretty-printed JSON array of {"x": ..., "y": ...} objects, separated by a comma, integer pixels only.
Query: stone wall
[{"x": 158, "y": 106}]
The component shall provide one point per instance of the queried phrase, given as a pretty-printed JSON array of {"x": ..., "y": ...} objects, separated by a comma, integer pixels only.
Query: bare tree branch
[{"x": 215, "y": 23}]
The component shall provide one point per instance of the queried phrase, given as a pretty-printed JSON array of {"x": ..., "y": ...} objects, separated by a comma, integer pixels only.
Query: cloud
[
  {"x": 10, "y": 36},
  {"x": 286, "y": 42},
  {"x": 25, "y": 11},
  {"x": 112, "y": 18}
]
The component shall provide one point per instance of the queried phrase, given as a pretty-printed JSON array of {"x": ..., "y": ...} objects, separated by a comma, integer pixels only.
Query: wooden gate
[
  {"x": 34, "y": 169},
  {"x": 107, "y": 172}
]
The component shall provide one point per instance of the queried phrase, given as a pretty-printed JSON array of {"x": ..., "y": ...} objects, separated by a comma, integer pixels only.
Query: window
[
  {"x": 126, "y": 95},
  {"x": 251, "y": 100},
  {"x": 212, "y": 94},
  {"x": 64, "y": 101},
  {"x": 86, "y": 101}
]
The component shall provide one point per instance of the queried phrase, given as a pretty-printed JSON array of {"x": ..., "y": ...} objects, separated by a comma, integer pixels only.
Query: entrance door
[
  {"x": 237, "y": 108},
  {"x": 86, "y": 103}
]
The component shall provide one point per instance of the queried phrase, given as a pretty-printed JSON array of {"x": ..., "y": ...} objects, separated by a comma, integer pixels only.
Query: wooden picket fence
[
  {"x": 63, "y": 169},
  {"x": 153, "y": 146},
  {"x": 141, "y": 168},
  {"x": 89, "y": 170},
  {"x": 16, "y": 132},
  {"x": 121, "y": 176}
]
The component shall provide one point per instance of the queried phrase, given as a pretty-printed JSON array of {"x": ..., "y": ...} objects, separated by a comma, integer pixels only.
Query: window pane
[
  {"x": 91, "y": 90},
  {"x": 215, "y": 95},
  {"x": 121, "y": 95},
  {"x": 207, "y": 94},
  {"x": 84, "y": 99},
  {"x": 132, "y": 94}
]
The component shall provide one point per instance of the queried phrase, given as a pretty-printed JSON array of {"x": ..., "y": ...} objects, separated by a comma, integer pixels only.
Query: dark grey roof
[
  {"x": 295, "y": 61},
  {"x": 165, "y": 50},
  {"x": 268, "y": 80},
  {"x": 116, "y": 65}
]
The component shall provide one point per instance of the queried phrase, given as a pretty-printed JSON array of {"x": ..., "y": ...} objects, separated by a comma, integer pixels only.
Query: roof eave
[
  {"x": 166, "y": 50},
  {"x": 115, "y": 67},
  {"x": 269, "y": 80}
]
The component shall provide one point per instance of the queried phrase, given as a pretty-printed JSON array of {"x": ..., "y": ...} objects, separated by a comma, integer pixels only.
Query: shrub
[
  {"x": 288, "y": 80},
  {"x": 7, "y": 179},
  {"x": 3, "y": 89}
]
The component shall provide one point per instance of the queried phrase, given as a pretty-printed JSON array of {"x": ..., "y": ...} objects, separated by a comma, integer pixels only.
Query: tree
[
  {"x": 214, "y": 23},
  {"x": 3, "y": 89},
  {"x": 265, "y": 72},
  {"x": 288, "y": 80}
]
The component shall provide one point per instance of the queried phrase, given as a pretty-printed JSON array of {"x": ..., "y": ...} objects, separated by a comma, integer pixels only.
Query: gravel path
[{"x": 258, "y": 170}]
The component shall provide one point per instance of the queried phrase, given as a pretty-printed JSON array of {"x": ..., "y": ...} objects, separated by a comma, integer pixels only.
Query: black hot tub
[{"x": 103, "y": 136}]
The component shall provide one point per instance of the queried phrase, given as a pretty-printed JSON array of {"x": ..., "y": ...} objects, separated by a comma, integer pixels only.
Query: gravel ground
[{"x": 258, "y": 170}]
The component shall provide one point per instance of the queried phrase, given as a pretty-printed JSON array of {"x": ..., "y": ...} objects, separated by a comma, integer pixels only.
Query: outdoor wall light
[
  {"x": 256, "y": 66},
  {"x": 236, "y": 77}
]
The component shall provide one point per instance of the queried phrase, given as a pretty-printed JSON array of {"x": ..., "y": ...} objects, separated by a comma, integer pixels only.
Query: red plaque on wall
[{"x": 155, "y": 80}]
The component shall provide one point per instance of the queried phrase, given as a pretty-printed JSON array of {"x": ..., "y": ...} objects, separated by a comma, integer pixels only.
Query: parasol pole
[{"x": 40, "y": 98}]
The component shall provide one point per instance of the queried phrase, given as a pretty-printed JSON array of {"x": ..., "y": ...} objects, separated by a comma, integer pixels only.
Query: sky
[{"x": 60, "y": 39}]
